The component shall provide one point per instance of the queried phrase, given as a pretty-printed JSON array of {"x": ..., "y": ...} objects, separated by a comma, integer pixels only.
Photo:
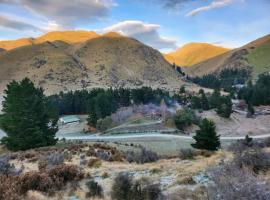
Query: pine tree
[
  {"x": 206, "y": 137},
  {"x": 27, "y": 117}
]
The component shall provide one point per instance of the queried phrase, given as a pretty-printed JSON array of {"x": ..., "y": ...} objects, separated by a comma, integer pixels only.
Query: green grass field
[{"x": 259, "y": 59}]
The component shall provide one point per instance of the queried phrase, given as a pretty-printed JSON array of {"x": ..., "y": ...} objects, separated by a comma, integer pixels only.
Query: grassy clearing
[{"x": 259, "y": 59}]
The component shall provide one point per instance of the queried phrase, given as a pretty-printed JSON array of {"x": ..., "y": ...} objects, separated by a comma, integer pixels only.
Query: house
[{"x": 69, "y": 119}]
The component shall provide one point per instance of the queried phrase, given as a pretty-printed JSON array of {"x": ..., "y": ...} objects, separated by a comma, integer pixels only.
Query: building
[{"x": 69, "y": 119}]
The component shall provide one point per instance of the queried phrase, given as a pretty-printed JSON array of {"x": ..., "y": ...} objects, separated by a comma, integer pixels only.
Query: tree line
[
  {"x": 258, "y": 93},
  {"x": 225, "y": 79}
]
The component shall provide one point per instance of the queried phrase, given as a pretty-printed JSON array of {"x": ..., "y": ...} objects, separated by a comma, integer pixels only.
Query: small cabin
[{"x": 69, "y": 119}]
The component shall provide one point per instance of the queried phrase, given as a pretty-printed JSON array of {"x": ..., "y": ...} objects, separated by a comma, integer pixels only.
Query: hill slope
[
  {"x": 65, "y": 36},
  {"x": 105, "y": 61},
  {"x": 254, "y": 56},
  {"x": 194, "y": 53}
]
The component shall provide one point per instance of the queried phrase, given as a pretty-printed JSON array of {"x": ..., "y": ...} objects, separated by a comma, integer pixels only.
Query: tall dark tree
[
  {"x": 206, "y": 137},
  {"x": 27, "y": 117}
]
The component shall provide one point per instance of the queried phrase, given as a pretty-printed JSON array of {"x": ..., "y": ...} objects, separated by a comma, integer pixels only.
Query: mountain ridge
[
  {"x": 254, "y": 55},
  {"x": 193, "y": 53}
]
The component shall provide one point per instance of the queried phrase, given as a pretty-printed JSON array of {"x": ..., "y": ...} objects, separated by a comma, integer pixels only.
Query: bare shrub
[
  {"x": 231, "y": 182},
  {"x": 121, "y": 188},
  {"x": 143, "y": 189},
  {"x": 124, "y": 187},
  {"x": 255, "y": 159},
  {"x": 94, "y": 189},
  {"x": 6, "y": 168},
  {"x": 35, "y": 181},
  {"x": 51, "y": 160},
  {"x": 8, "y": 188},
  {"x": 186, "y": 154},
  {"x": 62, "y": 174},
  {"x": 143, "y": 156}
]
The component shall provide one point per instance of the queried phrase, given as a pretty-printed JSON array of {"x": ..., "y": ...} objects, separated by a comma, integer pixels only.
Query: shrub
[
  {"x": 8, "y": 188},
  {"x": 143, "y": 156},
  {"x": 35, "y": 181},
  {"x": 51, "y": 160},
  {"x": 254, "y": 158},
  {"x": 121, "y": 188},
  {"x": 65, "y": 173},
  {"x": 184, "y": 118},
  {"x": 94, "y": 162},
  {"x": 231, "y": 182},
  {"x": 94, "y": 189},
  {"x": 6, "y": 168},
  {"x": 185, "y": 154},
  {"x": 124, "y": 187}
]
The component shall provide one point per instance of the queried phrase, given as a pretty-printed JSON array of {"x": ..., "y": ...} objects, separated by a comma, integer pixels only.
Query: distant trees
[
  {"x": 206, "y": 137},
  {"x": 259, "y": 93},
  {"x": 226, "y": 78},
  {"x": 100, "y": 103},
  {"x": 222, "y": 104},
  {"x": 28, "y": 118}
]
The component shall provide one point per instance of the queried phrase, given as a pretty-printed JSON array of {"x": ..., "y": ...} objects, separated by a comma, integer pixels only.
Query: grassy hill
[
  {"x": 106, "y": 61},
  {"x": 254, "y": 56},
  {"x": 70, "y": 37},
  {"x": 194, "y": 53}
]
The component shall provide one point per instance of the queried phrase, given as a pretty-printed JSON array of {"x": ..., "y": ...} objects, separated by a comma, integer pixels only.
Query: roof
[{"x": 69, "y": 119}]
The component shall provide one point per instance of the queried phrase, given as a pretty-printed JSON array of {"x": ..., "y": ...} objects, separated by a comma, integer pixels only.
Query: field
[{"x": 259, "y": 59}]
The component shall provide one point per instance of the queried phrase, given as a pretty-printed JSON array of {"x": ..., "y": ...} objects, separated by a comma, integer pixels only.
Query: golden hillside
[
  {"x": 99, "y": 62},
  {"x": 70, "y": 37},
  {"x": 194, "y": 53},
  {"x": 254, "y": 55},
  {"x": 12, "y": 44}
]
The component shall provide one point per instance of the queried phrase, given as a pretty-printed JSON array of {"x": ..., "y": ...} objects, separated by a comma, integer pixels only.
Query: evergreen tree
[
  {"x": 204, "y": 100},
  {"x": 27, "y": 117},
  {"x": 224, "y": 109},
  {"x": 206, "y": 137}
]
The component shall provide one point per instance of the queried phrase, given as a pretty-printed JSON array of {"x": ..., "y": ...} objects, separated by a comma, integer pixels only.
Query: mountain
[
  {"x": 65, "y": 36},
  {"x": 193, "y": 53},
  {"x": 254, "y": 56},
  {"x": 110, "y": 60}
]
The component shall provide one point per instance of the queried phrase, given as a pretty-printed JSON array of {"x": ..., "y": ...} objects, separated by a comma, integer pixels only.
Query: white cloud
[
  {"x": 15, "y": 24},
  {"x": 67, "y": 13},
  {"x": 147, "y": 33},
  {"x": 213, "y": 5}
]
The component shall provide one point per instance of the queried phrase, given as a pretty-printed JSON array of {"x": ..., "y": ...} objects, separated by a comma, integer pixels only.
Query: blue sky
[{"x": 163, "y": 24}]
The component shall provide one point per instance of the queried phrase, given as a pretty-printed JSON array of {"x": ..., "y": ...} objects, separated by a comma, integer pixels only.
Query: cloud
[
  {"x": 66, "y": 12},
  {"x": 6, "y": 22},
  {"x": 213, "y": 5},
  {"x": 147, "y": 33}
]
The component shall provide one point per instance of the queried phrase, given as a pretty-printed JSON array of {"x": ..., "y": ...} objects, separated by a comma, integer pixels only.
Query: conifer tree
[
  {"x": 27, "y": 117},
  {"x": 206, "y": 137}
]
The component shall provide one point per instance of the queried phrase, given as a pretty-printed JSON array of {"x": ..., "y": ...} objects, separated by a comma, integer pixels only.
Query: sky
[{"x": 162, "y": 24}]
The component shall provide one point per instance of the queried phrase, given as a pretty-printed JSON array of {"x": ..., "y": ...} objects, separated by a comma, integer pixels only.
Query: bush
[
  {"x": 121, "y": 188},
  {"x": 124, "y": 187},
  {"x": 35, "y": 181},
  {"x": 186, "y": 154},
  {"x": 65, "y": 173},
  {"x": 51, "y": 160},
  {"x": 231, "y": 182},
  {"x": 6, "y": 168},
  {"x": 254, "y": 158},
  {"x": 142, "y": 189},
  {"x": 143, "y": 156},
  {"x": 184, "y": 118},
  {"x": 94, "y": 189},
  {"x": 94, "y": 162}
]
